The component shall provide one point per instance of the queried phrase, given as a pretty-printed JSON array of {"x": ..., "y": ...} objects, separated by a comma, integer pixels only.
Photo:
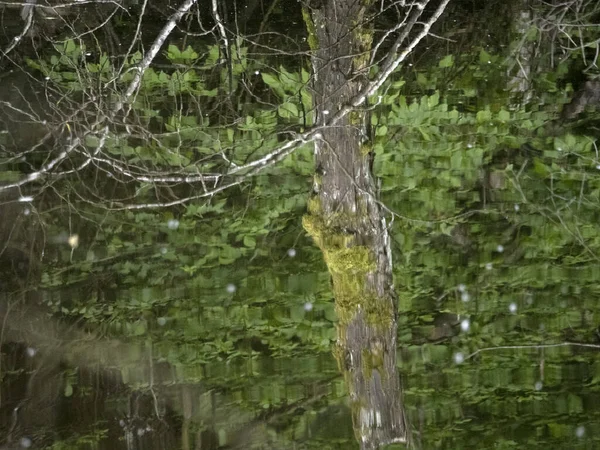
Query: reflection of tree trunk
[
  {"x": 521, "y": 82},
  {"x": 588, "y": 95},
  {"x": 347, "y": 223}
]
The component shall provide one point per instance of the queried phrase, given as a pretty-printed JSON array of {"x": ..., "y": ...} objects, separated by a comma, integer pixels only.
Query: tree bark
[{"x": 346, "y": 221}]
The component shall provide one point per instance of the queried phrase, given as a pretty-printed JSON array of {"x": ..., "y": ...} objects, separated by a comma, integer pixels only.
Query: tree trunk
[{"x": 345, "y": 220}]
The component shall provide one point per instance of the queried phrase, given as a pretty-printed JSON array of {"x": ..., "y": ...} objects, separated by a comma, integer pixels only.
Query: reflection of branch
[
  {"x": 554, "y": 215},
  {"x": 528, "y": 347}
]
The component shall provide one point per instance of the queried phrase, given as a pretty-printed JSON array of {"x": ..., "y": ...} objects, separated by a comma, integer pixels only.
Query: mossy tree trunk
[{"x": 347, "y": 223}]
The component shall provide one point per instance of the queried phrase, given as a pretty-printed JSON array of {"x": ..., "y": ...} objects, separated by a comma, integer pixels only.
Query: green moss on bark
[
  {"x": 311, "y": 29},
  {"x": 349, "y": 265}
]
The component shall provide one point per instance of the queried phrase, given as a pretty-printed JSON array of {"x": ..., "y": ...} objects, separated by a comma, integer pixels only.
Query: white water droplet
[
  {"x": 500, "y": 248},
  {"x": 308, "y": 306},
  {"x": 538, "y": 385},
  {"x": 161, "y": 321},
  {"x": 465, "y": 325},
  {"x": 489, "y": 266},
  {"x": 163, "y": 250},
  {"x": 580, "y": 431},
  {"x": 512, "y": 308},
  {"x": 517, "y": 207},
  {"x": 461, "y": 288},
  {"x": 73, "y": 241},
  {"x": 231, "y": 288},
  {"x": 465, "y": 297},
  {"x": 26, "y": 211},
  {"x": 31, "y": 352},
  {"x": 291, "y": 252},
  {"x": 25, "y": 442},
  {"x": 459, "y": 358},
  {"x": 173, "y": 224}
]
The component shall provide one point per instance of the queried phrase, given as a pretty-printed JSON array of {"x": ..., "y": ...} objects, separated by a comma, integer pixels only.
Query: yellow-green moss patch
[
  {"x": 313, "y": 41},
  {"x": 355, "y": 260}
]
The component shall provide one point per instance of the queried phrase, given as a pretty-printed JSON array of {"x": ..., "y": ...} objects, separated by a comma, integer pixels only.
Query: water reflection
[{"x": 186, "y": 370}]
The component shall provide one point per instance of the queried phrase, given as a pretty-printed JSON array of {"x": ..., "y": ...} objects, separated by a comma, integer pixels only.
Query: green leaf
[
  {"x": 189, "y": 54},
  {"x": 381, "y": 131},
  {"x": 484, "y": 116},
  {"x": 288, "y": 110},
  {"x": 389, "y": 99},
  {"x": 503, "y": 115},
  {"x": 290, "y": 81},
  {"x": 250, "y": 241},
  {"x": 213, "y": 56},
  {"x": 305, "y": 76},
  {"x": 70, "y": 47},
  {"x": 532, "y": 34},
  {"x": 456, "y": 160},
  {"x": 273, "y": 82},
  {"x": 447, "y": 61},
  {"x": 433, "y": 100},
  {"x": 173, "y": 53},
  {"x": 484, "y": 57}
]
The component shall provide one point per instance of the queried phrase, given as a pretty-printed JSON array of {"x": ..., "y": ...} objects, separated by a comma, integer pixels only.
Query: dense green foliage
[{"x": 494, "y": 209}]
